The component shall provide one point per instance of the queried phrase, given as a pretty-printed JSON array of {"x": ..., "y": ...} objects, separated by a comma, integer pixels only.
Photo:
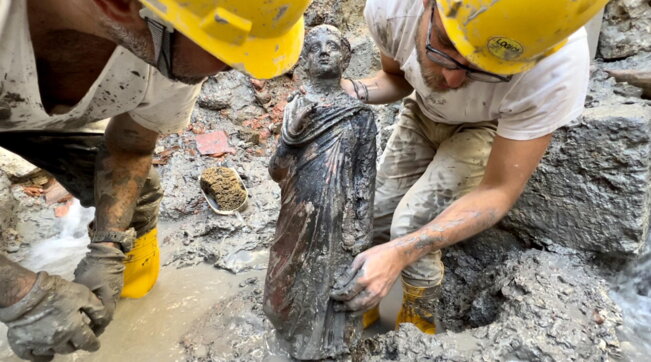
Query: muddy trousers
[
  {"x": 70, "y": 158},
  {"x": 424, "y": 168}
]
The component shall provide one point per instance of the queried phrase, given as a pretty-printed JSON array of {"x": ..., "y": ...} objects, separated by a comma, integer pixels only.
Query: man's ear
[{"x": 121, "y": 11}]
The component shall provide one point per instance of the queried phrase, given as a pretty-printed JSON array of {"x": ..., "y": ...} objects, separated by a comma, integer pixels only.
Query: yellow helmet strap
[{"x": 162, "y": 36}]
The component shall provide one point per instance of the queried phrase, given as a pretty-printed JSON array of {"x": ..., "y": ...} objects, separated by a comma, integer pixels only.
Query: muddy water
[
  {"x": 632, "y": 292},
  {"x": 150, "y": 328}
]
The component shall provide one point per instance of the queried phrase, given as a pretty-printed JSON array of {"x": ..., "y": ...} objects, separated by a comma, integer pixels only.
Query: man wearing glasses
[{"x": 484, "y": 84}]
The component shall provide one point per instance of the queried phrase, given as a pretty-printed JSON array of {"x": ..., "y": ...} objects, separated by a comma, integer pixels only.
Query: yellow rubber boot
[
  {"x": 418, "y": 307},
  {"x": 141, "y": 266},
  {"x": 371, "y": 316}
]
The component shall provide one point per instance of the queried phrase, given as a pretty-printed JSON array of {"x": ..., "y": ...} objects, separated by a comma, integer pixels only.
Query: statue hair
[{"x": 311, "y": 35}]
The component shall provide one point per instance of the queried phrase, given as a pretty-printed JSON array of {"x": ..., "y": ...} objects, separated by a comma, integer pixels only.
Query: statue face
[{"x": 324, "y": 55}]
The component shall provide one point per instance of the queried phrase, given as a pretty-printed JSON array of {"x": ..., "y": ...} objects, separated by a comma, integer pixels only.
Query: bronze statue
[{"x": 325, "y": 165}]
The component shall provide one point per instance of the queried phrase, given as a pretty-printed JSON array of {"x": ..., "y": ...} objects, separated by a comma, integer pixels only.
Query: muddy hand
[
  {"x": 347, "y": 85},
  {"x": 294, "y": 94},
  {"x": 50, "y": 319},
  {"x": 300, "y": 110},
  {"x": 102, "y": 271},
  {"x": 369, "y": 278}
]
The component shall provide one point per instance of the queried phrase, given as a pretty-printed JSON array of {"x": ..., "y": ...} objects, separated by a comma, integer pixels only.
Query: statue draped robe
[{"x": 327, "y": 177}]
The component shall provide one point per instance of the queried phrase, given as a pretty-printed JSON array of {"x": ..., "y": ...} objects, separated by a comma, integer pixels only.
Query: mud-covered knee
[
  {"x": 404, "y": 223},
  {"x": 425, "y": 272}
]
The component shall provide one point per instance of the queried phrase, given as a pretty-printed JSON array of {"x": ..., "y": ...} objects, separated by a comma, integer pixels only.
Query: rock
[
  {"x": 7, "y": 217},
  {"x": 230, "y": 92},
  {"x": 249, "y": 135},
  {"x": 592, "y": 188},
  {"x": 628, "y": 90},
  {"x": 16, "y": 168},
  {"x": 365, "y": 59},
  {"x": 626, "y": 28},
  {"x": 534, "y": 306},
  {"x": 637, "y": 78},
  {"x": 344, "y": 14}
]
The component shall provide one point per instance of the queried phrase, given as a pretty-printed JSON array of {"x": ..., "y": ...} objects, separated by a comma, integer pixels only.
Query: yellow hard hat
[
  {"x": 511, "y": 36},
  {"x": 260, "y": 37}
]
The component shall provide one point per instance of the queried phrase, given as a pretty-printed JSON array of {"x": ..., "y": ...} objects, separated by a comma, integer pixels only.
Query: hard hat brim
[
  {"x": 482, "y": 58},
  {"x": 262, "y": 58}
]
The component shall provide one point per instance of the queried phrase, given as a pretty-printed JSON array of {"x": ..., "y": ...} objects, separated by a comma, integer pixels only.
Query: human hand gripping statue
[{"x": 325, "y": 166}]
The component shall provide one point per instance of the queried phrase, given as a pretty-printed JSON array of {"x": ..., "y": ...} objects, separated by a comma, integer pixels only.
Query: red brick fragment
[{"x": 214, "y": 144}]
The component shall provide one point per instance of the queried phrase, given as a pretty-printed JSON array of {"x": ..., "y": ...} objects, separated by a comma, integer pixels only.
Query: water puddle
[{"x": 146, "y": 329}]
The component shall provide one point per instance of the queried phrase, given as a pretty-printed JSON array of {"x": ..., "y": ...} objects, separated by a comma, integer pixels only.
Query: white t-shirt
[
  {"x": 534, "y": 103},
  {"x": 125, "y": 85}
]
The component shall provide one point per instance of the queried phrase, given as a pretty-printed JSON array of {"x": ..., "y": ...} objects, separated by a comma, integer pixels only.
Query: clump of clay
[{"x": 225, "y": 187}]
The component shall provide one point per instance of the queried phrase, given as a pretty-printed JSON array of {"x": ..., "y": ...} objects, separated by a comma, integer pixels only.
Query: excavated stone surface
[
  {"x": 591, "y": 191},
  {"x": 535, "y": 306},
  {"x": 344, "y": 14},
  {"x": 7, "y": 217},
  {"x": 15, "y": 167},
  {"x": 626, "y": 29}
]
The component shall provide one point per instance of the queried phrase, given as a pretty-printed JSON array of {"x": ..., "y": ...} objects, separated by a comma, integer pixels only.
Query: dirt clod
[{"x": 225, "y": 186}]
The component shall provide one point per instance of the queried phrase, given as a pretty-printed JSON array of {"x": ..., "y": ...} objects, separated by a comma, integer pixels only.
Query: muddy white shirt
[
  {"x": 126, "y": 85},
  {"x": 531, "y": 105}
]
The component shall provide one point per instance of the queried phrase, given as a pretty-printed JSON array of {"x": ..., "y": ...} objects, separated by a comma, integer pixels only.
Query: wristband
[{"x": 123, "y": 238}]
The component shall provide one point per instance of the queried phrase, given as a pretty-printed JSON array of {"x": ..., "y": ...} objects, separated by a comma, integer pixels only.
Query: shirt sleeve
[
  {"x": 167, "y": 105},
  {"x": 550, "y": 95},
  {"x": 377, "y": 21}
]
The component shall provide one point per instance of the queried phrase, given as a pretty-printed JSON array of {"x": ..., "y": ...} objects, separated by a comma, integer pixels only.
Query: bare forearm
[
  {"x": 468, "y": 216},
  {"x": 121, "y": 170},
  {"x": 386, "y": 88},
  {"x": 15, "y": 282},
  {"x": 119, "y": 179}
]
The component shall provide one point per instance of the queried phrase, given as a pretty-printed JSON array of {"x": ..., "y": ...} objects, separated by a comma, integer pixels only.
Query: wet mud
[
  {"x": 535, "y": 306},
  {"x": 502, "y": 300}
]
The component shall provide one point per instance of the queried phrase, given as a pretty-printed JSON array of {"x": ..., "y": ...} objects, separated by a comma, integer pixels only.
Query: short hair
[{"x": 345, "y": 45}]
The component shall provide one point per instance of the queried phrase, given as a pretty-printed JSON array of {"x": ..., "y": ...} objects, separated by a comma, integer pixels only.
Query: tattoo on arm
[{"x": 439, "y": 234}]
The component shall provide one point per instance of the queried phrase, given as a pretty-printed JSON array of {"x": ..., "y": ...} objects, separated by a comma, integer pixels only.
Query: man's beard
[
  {"x": 433, "y": 80},
  {"x": 141, "y": 45}
]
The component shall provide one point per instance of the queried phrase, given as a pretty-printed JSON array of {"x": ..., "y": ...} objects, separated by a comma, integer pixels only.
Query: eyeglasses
[{"x": 450, "y": 63}]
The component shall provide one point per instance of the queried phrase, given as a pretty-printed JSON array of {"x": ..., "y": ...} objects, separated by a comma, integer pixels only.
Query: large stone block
[
  {"x": 626, "y": 29},
  {"x": 591, "y": 190}
]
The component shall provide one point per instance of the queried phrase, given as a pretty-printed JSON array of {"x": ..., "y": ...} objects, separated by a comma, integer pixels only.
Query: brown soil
[{"x": 224, "y": 185}]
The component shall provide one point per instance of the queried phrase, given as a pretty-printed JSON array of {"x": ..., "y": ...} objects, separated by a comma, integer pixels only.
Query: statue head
[{"x": 326, "y": 53}]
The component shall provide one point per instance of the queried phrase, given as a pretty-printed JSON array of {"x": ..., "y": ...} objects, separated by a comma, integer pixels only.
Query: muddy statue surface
[{"x": 325, "y": 166}]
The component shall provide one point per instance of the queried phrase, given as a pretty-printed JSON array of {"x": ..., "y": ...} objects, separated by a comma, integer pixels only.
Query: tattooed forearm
[
  {"x": 466, "y": 217},
  {"x": 15, "y": 282}
]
